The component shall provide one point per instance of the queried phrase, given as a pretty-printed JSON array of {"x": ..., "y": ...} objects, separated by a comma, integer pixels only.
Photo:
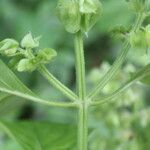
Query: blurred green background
[{"x": 120, "y": 125}]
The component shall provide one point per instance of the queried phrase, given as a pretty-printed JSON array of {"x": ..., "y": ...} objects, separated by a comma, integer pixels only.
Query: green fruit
[
  {"x": 69, "y": 15},
  {"x": 80, "y": 15},
  {"x": 8, "y": 47}
]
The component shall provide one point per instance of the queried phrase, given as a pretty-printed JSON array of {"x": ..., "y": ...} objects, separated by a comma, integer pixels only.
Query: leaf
[
  {"x": 41, "y": 135},
  {"x": 10, "y": 84},
  {"x": 10, "y": 106},
  {"x": 3, "y": 96},
  {"x": 9, "y": 81}
]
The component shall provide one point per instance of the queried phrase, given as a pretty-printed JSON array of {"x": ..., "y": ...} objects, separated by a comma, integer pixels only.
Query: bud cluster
[
  {"x": 79, "y": 15},
  {"x": 23, "y": 56}
]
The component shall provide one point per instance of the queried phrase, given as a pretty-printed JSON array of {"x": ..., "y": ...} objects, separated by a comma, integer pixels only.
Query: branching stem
[
  {"x": 57, "y": 84},
  {"x": 117, "y": 64},
  {"x": 81, "y": 90}
]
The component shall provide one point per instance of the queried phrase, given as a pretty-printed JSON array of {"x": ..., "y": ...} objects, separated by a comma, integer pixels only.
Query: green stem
[
  {"x": 144, "y": 72},
  {"x": 111, "y": 73},
  {"x": 117, "y": 64},
  {"x": 80, "y": 66},
  {"x": 57, "y": 84},
  {"x": 81, "y": 89},
  {"x": 82, "y": 128},
  {"x": 39, "y": 100}
]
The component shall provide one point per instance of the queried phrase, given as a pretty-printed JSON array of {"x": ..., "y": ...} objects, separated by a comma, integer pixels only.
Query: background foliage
[{"x": 121, "y": 125}]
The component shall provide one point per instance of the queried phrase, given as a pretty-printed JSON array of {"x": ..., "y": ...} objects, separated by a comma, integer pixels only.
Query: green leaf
[
  {"x": 10, "y": 84},
  {"x": 3, "y": 96},
  {"x": 41, "y": 135},
  {"x": 9, "y": 81}
]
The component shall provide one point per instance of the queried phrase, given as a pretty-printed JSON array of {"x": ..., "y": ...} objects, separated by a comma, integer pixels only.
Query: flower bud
[
  {"x": 91, "y": 11},
  {"x": 8, "y": 47},
  {"x": 69, "y": 15},
  {"x": 80, "y": 15},
  {"x": 137, "y": 39},
  {"x": 45, "y": 55},
  {"x": 26, "y": 65},
  {"x": 29, "y": 42},
  {"x": 89, "y": 6}
]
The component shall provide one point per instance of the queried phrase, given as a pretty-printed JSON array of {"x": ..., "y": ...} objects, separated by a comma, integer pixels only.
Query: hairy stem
[
  {"x": 117, "y": 64},
  {"x": 57, "y": 84},
  {"x": 144, "y": 72},
  {"x": 111, "y": 73},
  {"x": 39, "y": 100},
  {"x": 80, "y": 66},
  {"x": 81, "y": 89},
  {"x": 82, "y": 127}
]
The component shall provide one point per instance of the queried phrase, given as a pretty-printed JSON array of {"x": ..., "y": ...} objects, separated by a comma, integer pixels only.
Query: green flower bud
[
  {"x": 29, "y": 42},
  {"x": 137, "y": 39},
  {"x": 8, "y": 47},
  {"x": 69, "y": 15},
  {"x": 91, "y": 10},
  {"x": 45, "y": 55},
  {"x": 26, "y": 65},
  {"x": 80, "y": 15},
  {"x": 89, "y": 6}
]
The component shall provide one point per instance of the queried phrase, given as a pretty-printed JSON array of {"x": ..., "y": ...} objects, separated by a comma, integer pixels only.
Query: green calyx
[
  {"x": 26, "y": 65},
  {"x": 26, "y": 57},
  {"x": 69, "y": 15},
  {"x": 140, "y": 38},
  {"x": 8, "y": 47},
  {"x": 137, "y": 39},
  {"x": 45, "y": 55},
  {"x": 42, "y": 57},
  {"x": 79, "y": 15},
  {"x": 29, "y": 42},
  {"x": 89, "y": 6}
]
